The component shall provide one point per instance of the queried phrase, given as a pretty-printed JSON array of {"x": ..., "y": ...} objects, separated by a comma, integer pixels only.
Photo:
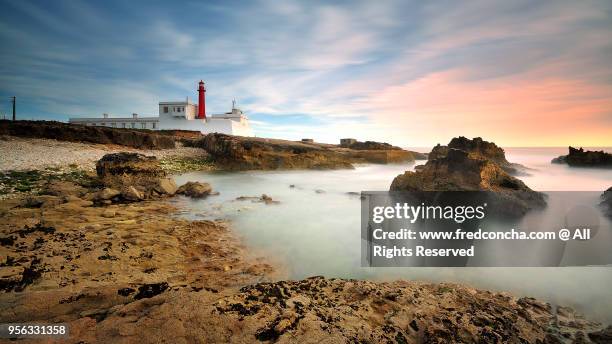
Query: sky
[{"x": 411, "y": 73}]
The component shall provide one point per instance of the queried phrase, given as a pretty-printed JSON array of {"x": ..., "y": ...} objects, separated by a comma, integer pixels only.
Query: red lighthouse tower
[{"x": 201, "y": 101}]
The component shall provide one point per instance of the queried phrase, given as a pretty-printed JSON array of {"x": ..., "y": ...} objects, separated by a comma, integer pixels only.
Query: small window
[
  {"x": 165, "y": 109},
  {"x": 144, "y": 125},
  {"x": 133, "y": 125},
  {"x": 153, "y": 125}
]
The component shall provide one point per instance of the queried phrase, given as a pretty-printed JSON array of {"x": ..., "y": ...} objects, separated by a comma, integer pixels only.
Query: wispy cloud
[{"x": 409, "y": 73}]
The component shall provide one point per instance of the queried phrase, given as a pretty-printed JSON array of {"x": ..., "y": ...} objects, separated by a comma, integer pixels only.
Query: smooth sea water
[{"x": 315, "y": 229}]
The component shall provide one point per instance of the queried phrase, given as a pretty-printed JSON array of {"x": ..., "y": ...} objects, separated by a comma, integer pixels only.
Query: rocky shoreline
[
  {"x": 113, "y": 270},
  {"x": 251, "y": 153},
  {"x": 107, "y": 253}
]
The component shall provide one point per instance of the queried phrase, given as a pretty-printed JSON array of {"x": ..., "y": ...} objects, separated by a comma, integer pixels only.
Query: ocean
[{"x": 315, "y": 227}]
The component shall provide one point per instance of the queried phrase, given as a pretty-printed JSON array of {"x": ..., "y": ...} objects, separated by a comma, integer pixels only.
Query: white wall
[
  {"x": 139, "y": 123},
  {"x": 227, "y": 126},
  {"x": 178, "y": 109}
]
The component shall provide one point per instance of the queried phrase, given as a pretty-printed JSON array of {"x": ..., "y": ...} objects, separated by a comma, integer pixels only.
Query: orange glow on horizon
[{"x": 511, "y": 112}]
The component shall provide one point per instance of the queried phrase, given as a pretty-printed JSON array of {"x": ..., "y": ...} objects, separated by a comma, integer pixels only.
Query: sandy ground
[{"x": 31, "y": 154}]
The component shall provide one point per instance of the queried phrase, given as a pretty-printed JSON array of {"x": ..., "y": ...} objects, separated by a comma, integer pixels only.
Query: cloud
[{"x": 409, "y": 73}]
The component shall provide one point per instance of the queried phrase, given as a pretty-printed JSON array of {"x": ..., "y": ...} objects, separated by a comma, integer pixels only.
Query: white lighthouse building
[
  {"x": 180, "y": 115},
  {"x": 183, "y": 116}
]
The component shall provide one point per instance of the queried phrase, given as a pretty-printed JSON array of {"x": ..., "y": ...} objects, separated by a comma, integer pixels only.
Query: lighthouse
[
  {"x": 201, "y": 101},
  {"x": 181, "y": 115}
]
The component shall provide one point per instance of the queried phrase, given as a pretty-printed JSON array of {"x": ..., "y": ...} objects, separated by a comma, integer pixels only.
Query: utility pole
[{"x": 14, "y": 101}]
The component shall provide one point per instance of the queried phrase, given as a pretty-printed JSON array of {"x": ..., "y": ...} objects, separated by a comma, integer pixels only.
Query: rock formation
[
  {"x": 606, "y": 202},
  {"x": 79, "y": 133},
  {"x": 194, "y": 189},
  {"x": 392, "y": 156},
  {"x": 314, "y": 310},
  {"x": 460, "y": 170},
  {"x": 478, "y": 148},
  {"x": 370, "y": 145},
  {"x": 378, "y": 153},
  {"x": 250, "y": 153},
  {"x": 132, "y": 176},
  {"x": 261, "y": 199},
  {"x": 582, "y": 158}
]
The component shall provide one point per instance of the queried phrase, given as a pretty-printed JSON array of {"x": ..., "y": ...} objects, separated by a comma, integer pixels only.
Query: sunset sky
[{"x": 409, "y": 73}]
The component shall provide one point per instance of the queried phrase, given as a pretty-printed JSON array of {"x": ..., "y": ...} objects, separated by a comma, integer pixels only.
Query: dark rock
[
  {"x": 79, "y": 133},
  {"x": 107, "y": 256},
  {"x": 125, "y": 291},
  {"x": 603, "y": 336},
  {"x": 459, "y": 170},
  {"x": 559, "y": 160},
  {"x": 149, "y": 290},
  {"x": 479, "y": 148},
  {"x": 7, "y": 241},
  {"x": 377, "y": 152},
  {"x": 21, "y": 277},
  {"x": 370, "y": 145},
  {"x": 266, "y": 198},
  {"x": 414, "y": 326},
  {"x": 262, "y": 199},
  {"x": 195, "y": 189},
  {"x": 37, "y": 228},
  {"x": 606, "y": 202},
  {"x": 582, "y": 158}
]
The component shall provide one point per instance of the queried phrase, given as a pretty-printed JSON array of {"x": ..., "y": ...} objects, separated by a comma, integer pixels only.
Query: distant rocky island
[{"x": 581, "y": 158}]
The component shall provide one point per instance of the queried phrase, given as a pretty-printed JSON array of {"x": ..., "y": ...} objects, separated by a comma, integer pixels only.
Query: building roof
[
  {"x": 181, "y": 102},
  {"x": 113, "y": 119}
]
